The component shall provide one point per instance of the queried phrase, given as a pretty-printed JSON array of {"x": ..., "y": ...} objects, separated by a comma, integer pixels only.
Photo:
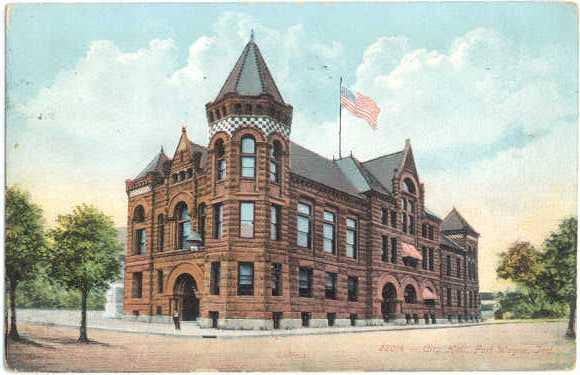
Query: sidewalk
[{"x": 95, "y": 320}]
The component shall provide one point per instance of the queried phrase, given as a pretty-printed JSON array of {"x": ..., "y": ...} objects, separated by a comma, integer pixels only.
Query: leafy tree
[
  {"x": 518, "y": 304},
  {"x": 84, "y": 254},
  {"x": 25, "y": 244},
  {"x": 558, "y": 278}
]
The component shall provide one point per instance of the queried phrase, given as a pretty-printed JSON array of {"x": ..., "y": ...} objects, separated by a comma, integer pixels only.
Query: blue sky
[{"x": 486, "y": 92}]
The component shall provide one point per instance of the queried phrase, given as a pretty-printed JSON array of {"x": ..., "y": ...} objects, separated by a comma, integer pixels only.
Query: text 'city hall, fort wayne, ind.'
[{"x": 257, "y": 232}]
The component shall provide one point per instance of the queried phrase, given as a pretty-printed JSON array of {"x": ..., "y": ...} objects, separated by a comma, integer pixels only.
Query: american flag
[{"x": 360, "y": 105}]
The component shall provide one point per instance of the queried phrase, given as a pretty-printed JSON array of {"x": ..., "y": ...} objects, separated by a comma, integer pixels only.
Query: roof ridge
[
  {"x": 383, "y": 156},
  {"x": 314, "y": 152}
]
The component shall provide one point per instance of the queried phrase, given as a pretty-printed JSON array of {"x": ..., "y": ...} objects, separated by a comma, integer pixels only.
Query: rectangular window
[
  {"x": 215, "y": 278},
  {"x": 404, "y": 222},
  {"x": 384, "y": 216},
  {"x": 330, "y": 285},
  {"x": 304, "y": 225},
  {"x": 411, "y": 224},
  {"x": 328, "y": 229},
  {"x": 275, "y": 214},
  {"x": 246, "y": 279},
  {"x": 159, "y": 281},
  {"x": 305, "y": 282},
  {"x": 458, "y": 266},
  {"x": 248, "y": 166},
  {"x": 431, "y": 260},
  {"x": 424, "y": 253},
  {"x": 305, "y": 319},
  {"x": 221, "y": 169},
  {"x": 393, "y": 250},
  {"x": 247, "y": 219},
  {"x": 276, "y": 279},
  {"x": 352, "y": 288},
  {"x": 137, "y": 287},
  {"x": 424, "y": 230},
  {"x": 351, "y": 238},
  {"x": 430, "y": 232},
  {"x": 140, "y": 241},
  {"x": 393, "y": 218},
  {"x": 448, "y": 296},
  {"x": 218, "y": 220},
  {"x": 448, "y": 265},
  {"x": 385, "y": 249},
  {"x": 458, "y": 298}
]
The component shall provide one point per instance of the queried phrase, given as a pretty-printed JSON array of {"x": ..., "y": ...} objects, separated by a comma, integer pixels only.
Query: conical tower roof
[{"x": 250, "y": 76}]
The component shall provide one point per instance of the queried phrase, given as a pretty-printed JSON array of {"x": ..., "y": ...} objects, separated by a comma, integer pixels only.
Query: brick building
[{"x": 256, "y": 232}]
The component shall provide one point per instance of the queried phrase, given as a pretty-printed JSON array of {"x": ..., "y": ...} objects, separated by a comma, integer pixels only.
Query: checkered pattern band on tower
[{"x": 265, "y": 123}]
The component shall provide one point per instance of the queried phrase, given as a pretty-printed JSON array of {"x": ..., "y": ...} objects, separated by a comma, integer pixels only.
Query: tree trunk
[
  {"x": 572, "y": 321},
  {"x": 13, "y": 329},
  {"x": 83, "y": 337}
]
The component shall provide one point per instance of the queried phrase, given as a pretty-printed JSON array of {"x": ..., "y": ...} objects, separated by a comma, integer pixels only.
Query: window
[
  {"x": 304, "y": 225},
  {"x": 201, "y": 216},
  {"x": 184, "y": 232},
  {"x": 351, "y": 238},
  {"x": 328, "y": 232},
  {"x": 137, "y": 290},
  {"x": 275, "y": 213},
  {"x": 458, "y": 266},
  {"x": 305, "y": 316},
  {"x": 410, "y": 294},
  {"x": 276, "y": 279},
  {"x": 424, "y": 230},
  {"x": 220, "y": 160},
  {"x": 384, "y": 216},
  {"x": 218, "y": 220},
  {"x": 393, "y": 250},
  {"x": 248, "y": 156},
  {"x": 275, "y": 162},
  {"x": 159, "y": 281},
  {"x": 393, "y": 218},
  {"x": 448, "y": 296},
  {"x": 408, "y": 215},
  {"x": 385, "y": 249},
  {"x": 139, "y": 214},
  {"x": 430, "y": 232},
  {"x": 160, "y": 232},
  {"x": 247, "y": 219},
  {"x": 458, "y": 298},
  {"x": 424, "y": 253},
  {"x": 352, "y": 285},
  {"x": 431, "y": 260},
  {"x": 330, "y": 285},
  {"x": 246, "y": 279},
  {"x": 214, "y": 285},
  {"x": 353, "y": 318},
  {"x": 409, "y": 186},
  {"x": 305, "y": 282},
  {"x": 448, "y": 265},
  {"x": 331, "y": 318},
  {"x": 140, "y": 241}
]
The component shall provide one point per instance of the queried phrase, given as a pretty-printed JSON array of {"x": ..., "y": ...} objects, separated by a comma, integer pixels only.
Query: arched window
[
  {"x": 201, "y": 216},
  {"x": 275, "y": 162},
  {"x": 220, "y": 160},
  {"x": 139, "y": 214},
  {"x": 410, "y": 294},
  {"x": 248, "y": 156},
  {"x": 409, "y": 186},
  {"x": 160, "y": 232},
  {"x": 184, "y": 232}
]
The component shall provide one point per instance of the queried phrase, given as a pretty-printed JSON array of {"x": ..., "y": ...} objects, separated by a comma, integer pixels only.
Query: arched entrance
[
  {"x": 388, "y": 307},
  {"x": 186, "y": 301}
]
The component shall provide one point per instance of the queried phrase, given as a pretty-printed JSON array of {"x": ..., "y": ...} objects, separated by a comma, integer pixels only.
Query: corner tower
[{"x": 249, "y": 97}]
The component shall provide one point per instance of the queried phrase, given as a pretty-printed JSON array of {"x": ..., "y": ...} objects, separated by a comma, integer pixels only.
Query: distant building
[{"x": 257, "y": 232}]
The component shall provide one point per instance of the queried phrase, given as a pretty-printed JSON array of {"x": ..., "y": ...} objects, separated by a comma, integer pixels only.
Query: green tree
[
  {"x": 84, "y": 254},
  {"x": 25, "y": 244},
  {"x": 558, "y": 277}
]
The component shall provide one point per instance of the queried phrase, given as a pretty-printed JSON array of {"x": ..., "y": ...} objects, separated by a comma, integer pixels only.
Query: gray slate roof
[
  {"x": 250, "y": 76},
  {"x": 158, "y": 164},
  {"x": 383, "y": 168},
  {"x": 455, "y": 222}
]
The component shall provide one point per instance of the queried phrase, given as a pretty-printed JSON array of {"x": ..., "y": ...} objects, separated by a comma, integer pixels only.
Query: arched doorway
[
  {"x": 186, "y": 300},
  {"x": 388, "y": 307}
]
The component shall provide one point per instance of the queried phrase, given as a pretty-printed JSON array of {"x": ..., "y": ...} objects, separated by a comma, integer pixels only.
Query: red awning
[
  {"x": 411, "y": 251},
  {"x": 429, "y": 294}
]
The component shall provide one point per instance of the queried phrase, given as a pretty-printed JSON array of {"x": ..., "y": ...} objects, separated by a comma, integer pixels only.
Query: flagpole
[{"x": 340, "y": 119}]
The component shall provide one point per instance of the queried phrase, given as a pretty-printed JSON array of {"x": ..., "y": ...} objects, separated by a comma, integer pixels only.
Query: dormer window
[
  {"x": 220, "y": 160},
  {"x": 409, "y": 186},
  {"x": 275, "y": 162},
  {"x": 248, "y": 156}
]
